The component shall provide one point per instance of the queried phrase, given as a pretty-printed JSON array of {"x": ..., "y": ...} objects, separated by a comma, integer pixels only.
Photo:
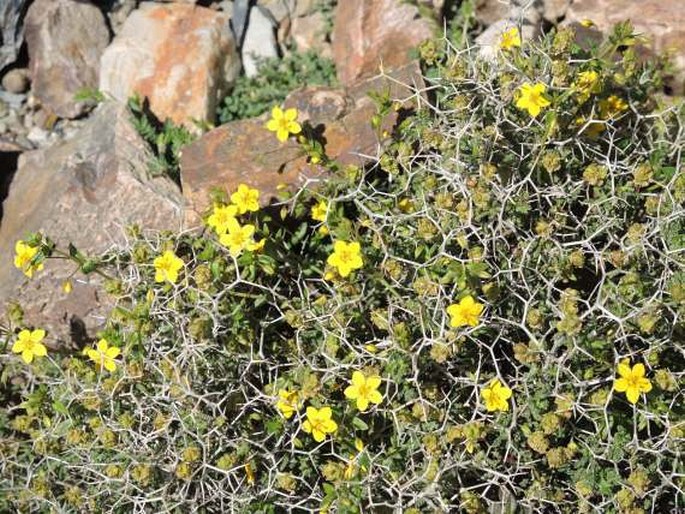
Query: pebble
[
  {"x": 16, "y": 81},
  {"x": 38, "y": 136}
]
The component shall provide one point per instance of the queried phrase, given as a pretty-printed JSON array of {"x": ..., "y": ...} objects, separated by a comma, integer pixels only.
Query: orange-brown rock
[
  {"x": 368, "y": 33},
  {"x": 181, "y": 57},
  {"x": 661, "y": 21},
  {"x": 246, "y": 152}
]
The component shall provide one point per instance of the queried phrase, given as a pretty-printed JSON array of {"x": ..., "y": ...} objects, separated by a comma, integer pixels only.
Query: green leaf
[{"x": 359, "y": 424}]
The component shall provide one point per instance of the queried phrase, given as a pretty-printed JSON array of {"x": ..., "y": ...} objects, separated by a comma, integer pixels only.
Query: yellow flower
[
  {"x": 496, "y": 395},
  {"x": 510, "y": 39},
  {"x": 587, "y": 23},
  {"x": 249, "y": 473},
  {"x": 346, "y": 257},
  {"x": 246, "y": 199},
  {"x": 319, "y": 422},
  {"x": 287, "y": 402},
  {"x": 256, "y": 246},
  {"x": 632, "y": 381},
  {"x": 406, "y": 205},
  {"x": 319, "y": 211},
  {"x": 283, "y": 123},
  {"x": 103, "y": 355},
  {"x": 238, "y": 238},
  {"x": 220, "y": 217},
  {"x": 167, "y": 267},
  {"x": 364, "y": 390},
  {"x": 23, "y": 258},
  {"x": 530, "y": 98},
  {"x": 351, "y": 468},
  {"x": 67, "y": 286},
  {"x": 466, "y": 312},
  {"x": 587, "y": 84},
  {"x": 29, "y": 344},
  {"x": 612, "y": 106}
]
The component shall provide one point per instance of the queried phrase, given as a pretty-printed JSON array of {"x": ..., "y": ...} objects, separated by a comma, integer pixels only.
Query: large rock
[
  {"x": 84, "y": 191},
  {"x": 260, "y": 40},
  {"x": 245, "y": 151},
  {"x": 368, "y": 33},
  {"x": 181, "y": 57},
  {"x": 65, "y": 40},
  {"x": 662, "y": 21},
  {"x": 307, "y": 32}
]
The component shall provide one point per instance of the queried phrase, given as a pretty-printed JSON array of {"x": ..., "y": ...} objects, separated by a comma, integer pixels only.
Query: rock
[
  {"x": 14, "y": 100},
  {"x": 119, "y": 12},
  {"x": 368, "y": 33},
  {"x": 490, "y": 11},
  {"x": 16, "y": 81},
  {"x": 84, "y": 191},
  {"x": 12, "y": 14},
  {"x": 260, "y": 40},
  {"x": 662, "y": 21},
  {"x": 307, "y": 32},
  {"x": 38, "y": 136},
  {"x": 65, "y": 40},
  {"x": 9, "y": 146},
  {"x": 245, "y": 151},
  {"x": 284, "y": 9},
  {"x": 181, "y": 57},
  {"x": 554, "y": 10}
]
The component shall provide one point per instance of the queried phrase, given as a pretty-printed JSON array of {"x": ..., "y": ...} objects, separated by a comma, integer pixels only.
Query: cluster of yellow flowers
[
  {"x": 236, "y": 237},
  {"x": 30, "y": 345},
  {"x": 363, "y": 390}
]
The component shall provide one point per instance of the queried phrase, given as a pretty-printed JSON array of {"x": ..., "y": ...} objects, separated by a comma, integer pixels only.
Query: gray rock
[
  {"x": 260, "y": 40},
  {"x": 11, "y": 29},
  {"x": 84, "y": 191},
  {"x": 16, "y": 81},
  {"x": 65, "y": 40},
  {"x": 12, "y": 99}
]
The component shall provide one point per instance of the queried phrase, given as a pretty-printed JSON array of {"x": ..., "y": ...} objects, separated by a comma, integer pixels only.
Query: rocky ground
[{"x": 73, "y": 165}]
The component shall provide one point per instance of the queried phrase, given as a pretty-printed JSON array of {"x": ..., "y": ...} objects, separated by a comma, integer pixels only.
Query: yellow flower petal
[{"x": 633, "y": 395}]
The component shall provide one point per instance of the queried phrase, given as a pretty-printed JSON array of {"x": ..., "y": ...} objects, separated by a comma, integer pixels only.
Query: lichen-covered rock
[{"x": 246, "y": 152}]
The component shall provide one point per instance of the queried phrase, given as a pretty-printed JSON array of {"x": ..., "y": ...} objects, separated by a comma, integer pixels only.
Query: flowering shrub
[{"x": 491, "y": 321}]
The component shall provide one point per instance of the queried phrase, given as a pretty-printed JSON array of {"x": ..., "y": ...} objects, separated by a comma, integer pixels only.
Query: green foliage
[
  {"x": 165, "y": 139},
  {"x": 253, "y": 96},
  {"x": 567, "y": 227}
]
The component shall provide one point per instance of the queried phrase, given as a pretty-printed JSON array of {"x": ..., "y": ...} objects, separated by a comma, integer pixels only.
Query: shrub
[
  {"x": 253, "y": 96},
  {"x": 459, "y": 326}
]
